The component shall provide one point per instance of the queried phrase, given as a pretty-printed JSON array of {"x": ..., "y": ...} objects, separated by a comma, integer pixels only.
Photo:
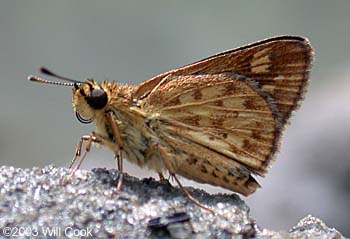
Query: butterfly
[{"x": 217, "y": 121}]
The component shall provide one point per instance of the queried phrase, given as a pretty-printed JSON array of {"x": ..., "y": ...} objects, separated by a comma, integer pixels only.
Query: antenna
[{"x": 45, "y": 71}]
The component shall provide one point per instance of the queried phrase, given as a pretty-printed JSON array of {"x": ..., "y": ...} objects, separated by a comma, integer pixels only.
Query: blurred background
[{"x": 131, "y": 41}]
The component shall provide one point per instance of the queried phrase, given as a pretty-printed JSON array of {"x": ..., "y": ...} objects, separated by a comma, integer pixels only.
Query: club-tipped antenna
[
  {"x": 41, "y": 80},
  {"x": 50, "y": 73}
]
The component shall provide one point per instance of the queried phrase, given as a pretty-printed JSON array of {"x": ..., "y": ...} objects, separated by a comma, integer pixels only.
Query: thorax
[{"x": 136, "y": 135}]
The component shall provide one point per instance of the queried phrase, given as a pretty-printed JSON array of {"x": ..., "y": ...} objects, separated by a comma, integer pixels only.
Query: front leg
[{"x": 91, "y": 138}]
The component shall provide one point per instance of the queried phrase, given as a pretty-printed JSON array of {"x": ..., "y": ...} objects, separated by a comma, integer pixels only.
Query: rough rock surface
[{"x": 34, "y": 203}]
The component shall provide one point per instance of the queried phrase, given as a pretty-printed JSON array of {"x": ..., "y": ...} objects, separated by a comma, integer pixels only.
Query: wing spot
[
  {"x": 231, "y": 172},
  {"x": 231, "y": 89},
  {"x": 225, "y": 179},
  {"x": 192, "y": 120},
  {"x": 219, "y": 122},
  {"x": 192, "y": 160},
  {"x": 248, "y": 146},
  {"x": 197, "y": 94},
  {"x": 204, "y": 169},
  {"x": 175, "y": 101},
  {"x": 251, "y": 104},
  {"x": 206, "y": 161}
]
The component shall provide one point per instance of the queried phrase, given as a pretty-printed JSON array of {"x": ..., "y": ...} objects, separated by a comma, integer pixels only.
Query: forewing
[{"x": 278, "y": 65}]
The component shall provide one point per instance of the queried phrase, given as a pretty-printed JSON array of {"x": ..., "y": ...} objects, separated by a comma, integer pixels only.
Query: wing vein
[{"x": 187, "y": 135}]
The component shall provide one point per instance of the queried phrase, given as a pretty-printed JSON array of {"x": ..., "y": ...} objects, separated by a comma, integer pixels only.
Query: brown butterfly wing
[
  {"x": 223, "y": 112},
  {"x": 226, "y": 112},
  {"x": 279, "y": 65},
  {"x": 220, "y": 126}
]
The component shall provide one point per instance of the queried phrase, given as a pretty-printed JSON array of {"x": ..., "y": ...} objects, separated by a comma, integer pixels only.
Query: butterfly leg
[
  {"x": 89, "y": 140},
  {"x": 120, "y": 169},
  {"x": 168, "y": 165},
  {"x": 161, "y": 176},
  {"x": 119, "y": 143}
]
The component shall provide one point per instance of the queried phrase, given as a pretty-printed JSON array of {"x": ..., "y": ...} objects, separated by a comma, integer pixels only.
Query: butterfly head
[{"x": 88, "y": 97}]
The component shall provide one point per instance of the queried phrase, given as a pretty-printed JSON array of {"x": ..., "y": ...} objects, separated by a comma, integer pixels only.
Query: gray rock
[{"x": 34, "y": 203}]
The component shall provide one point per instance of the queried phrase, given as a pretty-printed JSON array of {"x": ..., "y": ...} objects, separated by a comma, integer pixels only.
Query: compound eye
[
  {"x": 83, "y": 120},
  {"x": 97, "y": 99}
]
